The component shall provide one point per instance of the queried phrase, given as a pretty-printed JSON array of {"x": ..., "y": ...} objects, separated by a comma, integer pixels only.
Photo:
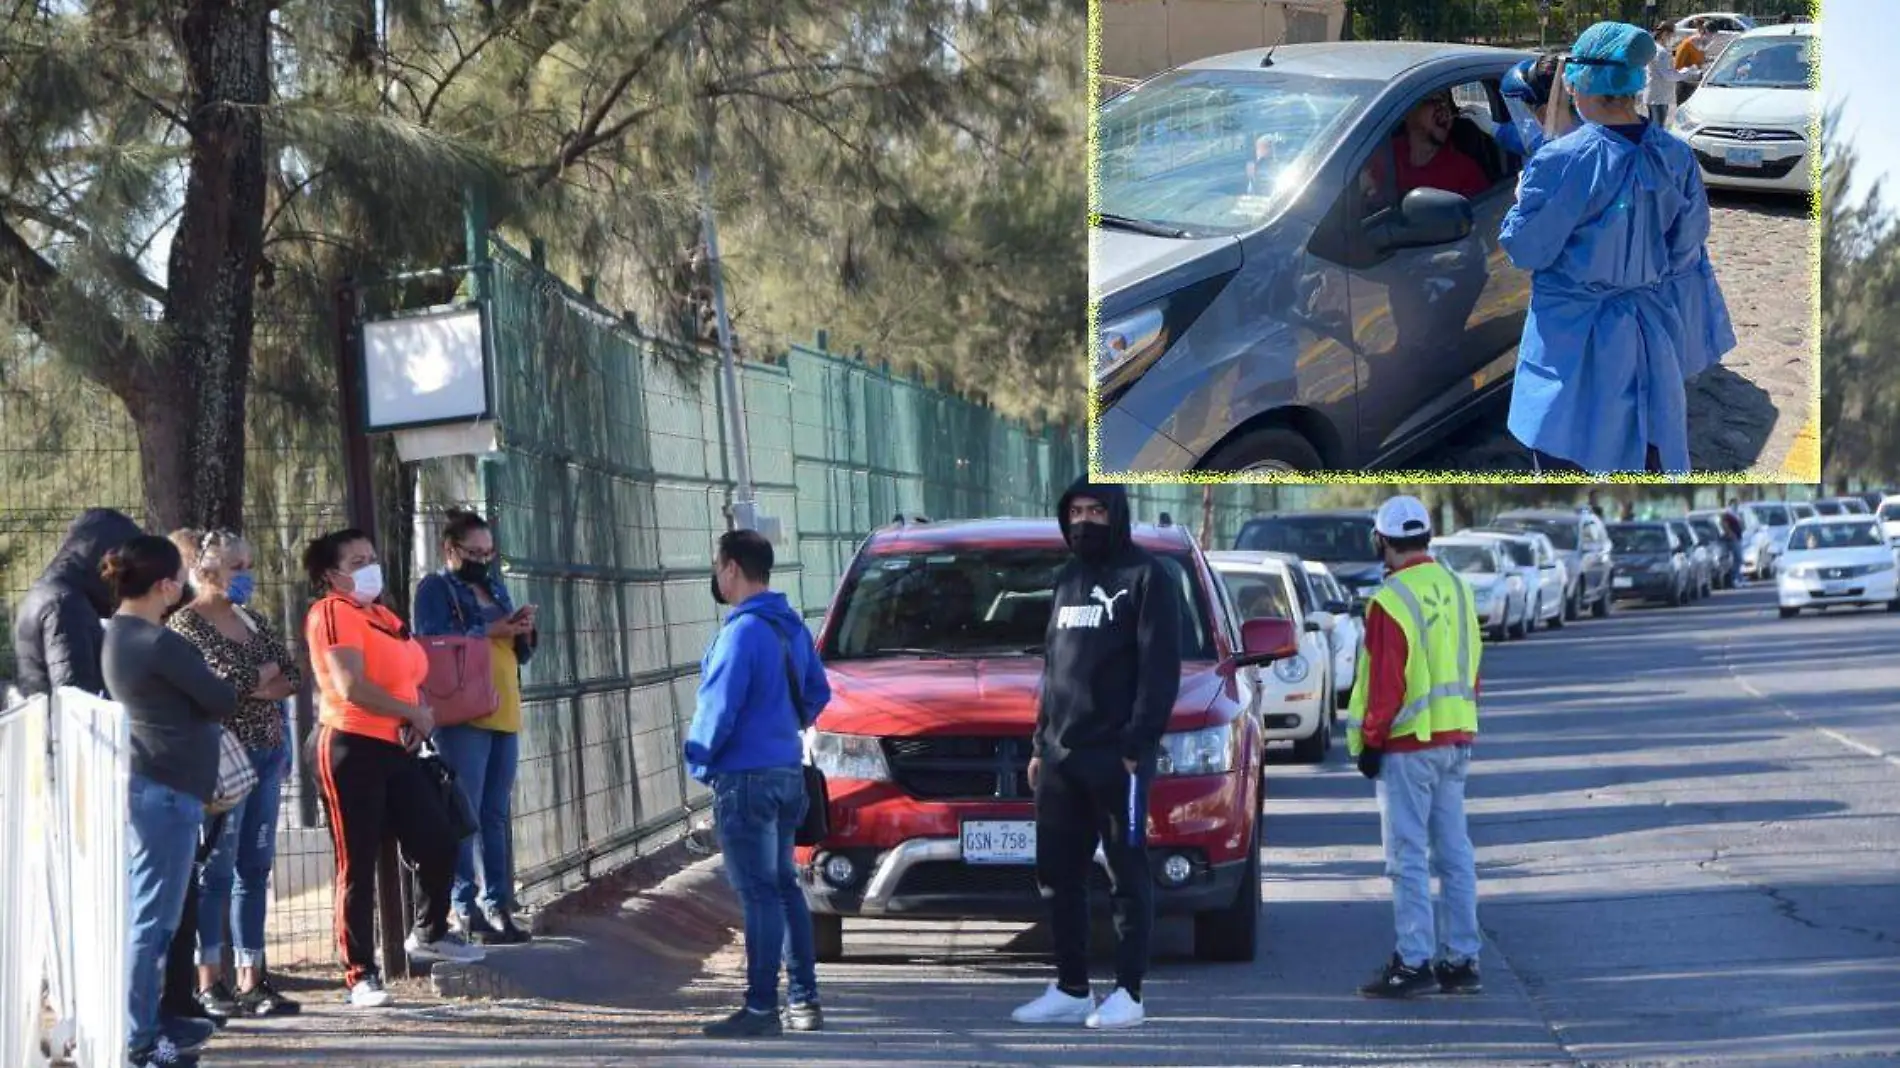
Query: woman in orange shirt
[{"x": 369, "y": 672}]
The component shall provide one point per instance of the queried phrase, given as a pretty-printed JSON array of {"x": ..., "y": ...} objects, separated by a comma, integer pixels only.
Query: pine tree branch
[
  {"x": 123, "y": 268},
  {"x": 462, "y": 60},
  {"x": 40, "y": 291},
  {"x": 590, "y": 135}
]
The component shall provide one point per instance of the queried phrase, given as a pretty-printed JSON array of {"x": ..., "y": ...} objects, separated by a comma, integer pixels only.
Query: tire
[
  {"x": 1790, "y": 613},
  {"x": 1232, "y": 935},
  {"x": 1573, "y": 605},
  {"x": 827, "y": 936},
  {"x": 1312, "y": 749},
  {"x": 1269, "y": 448},
  {"x": 1894, "y": 605},
  {"x": 1557, "y": 621},
  {"x": 1523, "y": 626},
  {"x": 1682, "y": 597},
  {"x": 1496, "y": 634},
  {"x": 1605, "y": 601}
]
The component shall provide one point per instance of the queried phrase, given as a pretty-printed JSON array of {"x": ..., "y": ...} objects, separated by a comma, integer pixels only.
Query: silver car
[
  {"x": 1543, "y": 569},
  {"x": 1765, "y": 527},
  {"x": 1503, "y": 609},
  {"x": 1270, "y": 297}
]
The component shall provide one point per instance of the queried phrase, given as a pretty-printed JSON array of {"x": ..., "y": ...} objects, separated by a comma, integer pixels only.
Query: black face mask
[
  {"x": 718, "y": 598},
  {"x": 1091, "y": 541},
  {"x": 473, "y": 571}
]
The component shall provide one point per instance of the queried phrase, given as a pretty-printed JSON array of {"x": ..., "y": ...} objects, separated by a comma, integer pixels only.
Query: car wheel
[
  {"x": 1790, "y": 613},
  {"x": 1496, "y": 633},
  {"x": 1232, "y": 935},
  {"x": 827, "y": 937},
  {"x": 1601, "y": 610},
  {"x": 1312, "y": 748},
  {"x": 1523, "y": 629},
  {"x": 1573, "y": 605},
  {"x": 1269, "y": 448},
  {"x": 1894, "y": 605},
  {"x": 1557, "y": 621}
]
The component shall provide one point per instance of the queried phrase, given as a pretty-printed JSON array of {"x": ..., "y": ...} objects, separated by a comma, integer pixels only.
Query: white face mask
[{"x": 367, "y": 583}]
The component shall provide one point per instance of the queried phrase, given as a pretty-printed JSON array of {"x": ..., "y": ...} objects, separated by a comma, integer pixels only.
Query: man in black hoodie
[{"x": 1111, "y": 672}]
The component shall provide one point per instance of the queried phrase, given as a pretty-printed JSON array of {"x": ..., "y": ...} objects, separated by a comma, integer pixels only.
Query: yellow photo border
[{"x": 1802, "y": 466}]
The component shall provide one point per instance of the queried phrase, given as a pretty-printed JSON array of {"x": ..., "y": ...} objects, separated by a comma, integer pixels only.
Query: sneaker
[
  {"x": 1458, "y": 979},
  {"x": 746, "y": 1024},
  {"x": 368, "y": 993},
  {"x": 450, "y": 947},
  {"x": 1399, "y": 980},
  {"x": 163, "y": 1054},
  {"x": 1054, "y": 1006},
  {"x": 264, "y": 1000},
  {"x": 189, "y": 1036},
  {"x": 475, "y": 927},
  {"x": 217, "y": 1000},
  {"x": 503, "y": 929},
  {"x": 1119, "y": 1009},
  {"x": 804, "y": 1016},
  {"x": 189, "y": 1008}
]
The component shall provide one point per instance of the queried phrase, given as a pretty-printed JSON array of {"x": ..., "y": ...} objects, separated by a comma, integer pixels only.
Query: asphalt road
[{"x": 1688, "y": 829}]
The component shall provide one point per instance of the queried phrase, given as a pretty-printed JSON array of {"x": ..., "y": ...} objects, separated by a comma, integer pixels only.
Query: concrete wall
[{"x": 1145, "y": 37}]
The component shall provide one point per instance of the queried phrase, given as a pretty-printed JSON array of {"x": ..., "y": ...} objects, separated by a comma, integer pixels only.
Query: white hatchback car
[
  {"x": 1540, "y": 569},
  {"x": 1889, "y": 515},
  {"x": 1753, "y": 121},
  {"x": 1298, "y": 702},
  {"x": 1839, "y": 560},
  {"x": 1347, "y": 633},
  {"x": 1503, "y": 607}
]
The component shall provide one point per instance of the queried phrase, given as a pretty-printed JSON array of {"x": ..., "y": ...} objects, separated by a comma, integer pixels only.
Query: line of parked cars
[{"x": 933, "y": 644}]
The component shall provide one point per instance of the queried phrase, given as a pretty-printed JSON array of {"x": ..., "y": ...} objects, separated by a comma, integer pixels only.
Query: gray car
[
  {"x": 1585, "y": 544},
  {"x": 1341, "y": 540},
  {"x": 1270, "y": 297}
]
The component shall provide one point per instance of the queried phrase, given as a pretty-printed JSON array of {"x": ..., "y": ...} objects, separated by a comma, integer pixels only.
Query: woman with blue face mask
[
  {"x": 245, "y": 651},
  {"x": 1612, "y": 221}
]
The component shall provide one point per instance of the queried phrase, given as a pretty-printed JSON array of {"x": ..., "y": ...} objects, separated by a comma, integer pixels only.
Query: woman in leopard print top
[{"x": 244, "y": 650}]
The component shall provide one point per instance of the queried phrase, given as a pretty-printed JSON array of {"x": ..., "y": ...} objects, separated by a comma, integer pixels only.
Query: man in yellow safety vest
[{"x": 1413, "y": 717}]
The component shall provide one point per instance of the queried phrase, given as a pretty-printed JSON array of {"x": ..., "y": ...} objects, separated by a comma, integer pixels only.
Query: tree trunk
[{"x": 191, "y": 431}]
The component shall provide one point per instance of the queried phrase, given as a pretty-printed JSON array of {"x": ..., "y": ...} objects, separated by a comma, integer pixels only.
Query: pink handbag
[{"x": 461, "y": 684}]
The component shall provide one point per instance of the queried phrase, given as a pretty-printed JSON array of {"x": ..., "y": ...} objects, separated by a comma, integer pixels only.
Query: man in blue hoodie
[{"x": 760, "y": 684}]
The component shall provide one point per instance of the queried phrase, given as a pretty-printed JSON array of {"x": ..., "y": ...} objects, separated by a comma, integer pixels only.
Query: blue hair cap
[{"x": 1610, "y": 59}]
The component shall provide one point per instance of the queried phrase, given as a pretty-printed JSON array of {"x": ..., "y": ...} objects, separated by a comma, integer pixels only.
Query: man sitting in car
[{"x": 1425, "y": 156}]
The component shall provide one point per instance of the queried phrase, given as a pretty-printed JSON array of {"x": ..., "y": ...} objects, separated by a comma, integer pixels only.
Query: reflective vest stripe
[
  {"x": 1446, "y": 704},
  {"x": 1411, "y": 709}
]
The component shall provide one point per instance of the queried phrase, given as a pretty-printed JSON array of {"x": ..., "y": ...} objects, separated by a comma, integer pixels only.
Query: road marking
[
  {"x": 1756, "y": 692},
  {"x": 1804, "y": 456}
]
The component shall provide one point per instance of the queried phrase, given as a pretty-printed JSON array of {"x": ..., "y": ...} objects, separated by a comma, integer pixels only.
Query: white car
[
  {"x": 1889, "y": 515},
  {"x": 1503, "y": 608},
  {"x": 1752, "y": 122},
  {"x": 1765, "y": 527},
  {"x": 1347, "y": 633},
  {"x": 1540, "y": 569},
  {"x": 1839, "y": 560},
  {"x": 1298, "y": 703}
]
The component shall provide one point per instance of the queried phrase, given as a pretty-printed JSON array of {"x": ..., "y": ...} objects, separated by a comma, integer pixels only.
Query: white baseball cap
[{"x": 1403, "y": 517}]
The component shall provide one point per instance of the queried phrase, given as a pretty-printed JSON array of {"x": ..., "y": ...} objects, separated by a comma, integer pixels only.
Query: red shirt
[
  {"x": 1385, "y": 682},
  {"x": 1449, "y": 169}
]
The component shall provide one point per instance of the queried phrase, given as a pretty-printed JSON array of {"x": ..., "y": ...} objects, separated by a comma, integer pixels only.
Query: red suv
[{"x": 933, "y": 646}]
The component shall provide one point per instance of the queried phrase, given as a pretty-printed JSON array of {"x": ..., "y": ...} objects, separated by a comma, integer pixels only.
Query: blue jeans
[
  {"x": 758, "y": 814},
  {"x": 1422, "y": 820},
  {"x": 162, "y": 842},
  {"x": 235, "y": 879},
  {"x": 484, "y": 764}
]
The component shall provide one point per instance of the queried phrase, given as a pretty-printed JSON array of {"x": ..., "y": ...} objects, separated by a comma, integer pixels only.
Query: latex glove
[{"x": 1369, "y": 761}]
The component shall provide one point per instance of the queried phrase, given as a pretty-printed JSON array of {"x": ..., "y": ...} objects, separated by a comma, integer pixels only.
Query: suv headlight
[
  {"x": 1203, "y": 752},
  {"x": 1133, "y": 337},
  {"x": 849, "y": 756},
  {"x": 1686, "y": 121},
  {"x": 1291, "y": 670}
]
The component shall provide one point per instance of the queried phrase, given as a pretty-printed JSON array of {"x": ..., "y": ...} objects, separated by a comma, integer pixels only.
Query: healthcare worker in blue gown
[{"x": 1612, "y": 221}]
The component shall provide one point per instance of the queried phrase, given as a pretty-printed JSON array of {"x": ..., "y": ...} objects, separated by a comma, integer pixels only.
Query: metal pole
[{"x": 742, "y": 501}]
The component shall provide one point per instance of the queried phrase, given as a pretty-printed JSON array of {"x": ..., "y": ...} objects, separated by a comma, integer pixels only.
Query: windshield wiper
[{"x": 1140, "y": 226}]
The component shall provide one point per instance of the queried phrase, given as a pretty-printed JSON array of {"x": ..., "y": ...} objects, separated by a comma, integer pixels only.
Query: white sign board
[{"x": 426, "y": 369}]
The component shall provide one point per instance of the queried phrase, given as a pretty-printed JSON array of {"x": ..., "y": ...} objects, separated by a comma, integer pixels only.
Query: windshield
[
  {"x": 1851, "y": 506},
  {"x": 1521, "y": 553},
  {"x": 1638, "y": 540},
  {"x": 1683, "y": 535},
  {"x": 1258, "y": 595},
  {"x": 1774, "y": 62},
  {"x": 1218, "y": 151},
  {"x": 1771, "y": 515},
  {"x": 1813, "y": 536},
  {"x": 1322, "y": 539},
  {"x": 1890, "y": 512},
  {"x": 1828, "y": 507},
  {"x": 1708, "y": 528},
  {"x": 1562, "y": 535},
  {"x": 1469, "y": 559},
  {"x": 973, "y": 602}
]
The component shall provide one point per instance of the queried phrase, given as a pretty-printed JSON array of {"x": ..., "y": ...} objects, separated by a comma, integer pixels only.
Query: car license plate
[
  {"x": 1744, "y": 157},
  {"x": 1834, "y": 589},
  {"x": 1623, "y": 582},
  {"x": 999, "y": 842}
]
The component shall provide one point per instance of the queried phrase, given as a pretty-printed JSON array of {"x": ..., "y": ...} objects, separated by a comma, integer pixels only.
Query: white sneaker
[
  {"x": 450, "y": 947},
  {"x": 1117, "y": 1010},
  {"x": 1055, "y": 1007},
  {"x": 369, "y": 994}
]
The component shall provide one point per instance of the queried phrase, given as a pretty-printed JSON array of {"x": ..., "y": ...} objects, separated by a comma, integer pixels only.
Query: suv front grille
[{"x": 960, "y": 769}]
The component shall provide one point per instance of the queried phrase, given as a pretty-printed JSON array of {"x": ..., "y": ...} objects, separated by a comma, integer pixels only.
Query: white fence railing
[{"x": 64, "y": 769}]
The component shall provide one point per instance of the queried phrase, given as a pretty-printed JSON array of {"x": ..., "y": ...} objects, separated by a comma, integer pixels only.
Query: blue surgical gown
[{"x": 1625, "y": 307}]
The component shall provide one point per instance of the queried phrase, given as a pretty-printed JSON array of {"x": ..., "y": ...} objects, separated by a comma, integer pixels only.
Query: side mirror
[
  {"x": 1319, "y": 623},
  {"x": 1358, "y": 610},
  {"x": 1262, "y": 641},
  {"x": 1338, "y": 608},
  {"x": 1426, "y": 217}
]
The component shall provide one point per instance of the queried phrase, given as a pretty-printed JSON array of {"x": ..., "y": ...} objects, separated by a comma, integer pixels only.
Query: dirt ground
[{"x": 1751, "y": 413}]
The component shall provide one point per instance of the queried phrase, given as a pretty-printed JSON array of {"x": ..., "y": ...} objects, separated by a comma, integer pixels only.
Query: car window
[
  {"x": 1469, "y": 559},
  {"x": 1520, "y": 553},
  {"x": 1773, "y": 515},
  {"x": 968, "y": 601},
  {"x": 1259, "y": 595},
  {"x": 1810, "y": 537},
  {"x": 1219, "y": 151},
  {"x": 1460, "y": 119},
  {"x": 1629, "y": 540},
  {"x": 1320, "y": 538},
  {"x": 1561, "y": 534},
  {"x": 1828, "y": 507},
  {"x": 1229, "y": 614},
  {"x": 1890, "y": 512},
  {"x": 1765, "y": 63}
]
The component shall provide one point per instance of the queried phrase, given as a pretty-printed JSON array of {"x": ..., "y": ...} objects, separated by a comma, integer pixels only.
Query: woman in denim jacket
[{"x": 467, "y": 598}]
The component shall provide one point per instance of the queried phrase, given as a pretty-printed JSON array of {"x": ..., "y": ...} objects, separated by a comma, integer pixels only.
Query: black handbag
[
  {"x": 816, "y": 825},
  {"x": 461, "y": 813}
]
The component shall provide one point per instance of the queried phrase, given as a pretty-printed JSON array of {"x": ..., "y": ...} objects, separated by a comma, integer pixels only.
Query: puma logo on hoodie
[{"x": 1090, "y": 616}]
